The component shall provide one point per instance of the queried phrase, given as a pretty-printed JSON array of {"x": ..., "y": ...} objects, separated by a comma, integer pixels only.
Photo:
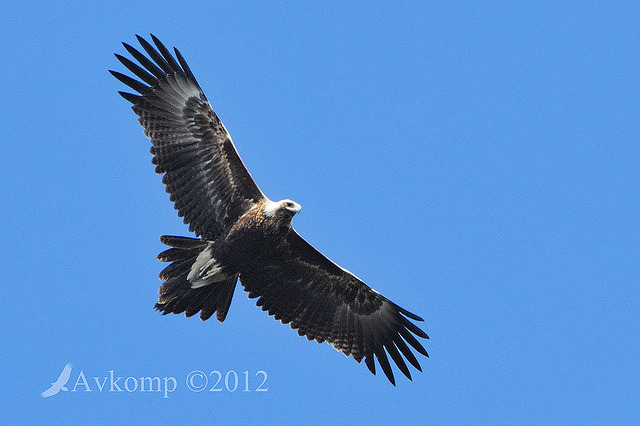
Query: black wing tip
[
  {"x": 418, "y": 332},
  {"x": 154, "y": 64},
  {"x": 120, "y": 76},
  {"x": 129, "y": 48},
  {"x": 397, "y": 358},
  {"x": 120, "y": 57},
  {"x": 370, "y": 364},
  {"x": 414, "y": 317},
  {"x": 392, "y": 379},
  {"x": 397, "y": 346},
  {"x": 408, "y": 314},
  {"x": 134, "y": 99},
  {"x": 389, "y": 374},
  {"x": 156, "y": 40},
  {"x": 131, "y": 82}
]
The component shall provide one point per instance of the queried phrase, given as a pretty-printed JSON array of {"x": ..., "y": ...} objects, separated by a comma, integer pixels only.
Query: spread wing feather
[
  {"x": 300, "y": 286},
  {"x": 207, "y": 180}
]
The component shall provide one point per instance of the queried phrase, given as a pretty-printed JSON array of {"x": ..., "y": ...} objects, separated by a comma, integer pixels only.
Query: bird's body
[
  {"x": 244, "y": 235},
  {"x": 251, "y": 239}
]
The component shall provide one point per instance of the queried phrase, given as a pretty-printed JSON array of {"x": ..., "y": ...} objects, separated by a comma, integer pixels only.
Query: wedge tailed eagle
[
  {"x": 60, "y": 383},
  {"x": 241, "y": 234}
]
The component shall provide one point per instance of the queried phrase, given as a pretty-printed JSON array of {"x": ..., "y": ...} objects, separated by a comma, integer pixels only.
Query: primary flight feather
[{"x": 244, "y": 235}]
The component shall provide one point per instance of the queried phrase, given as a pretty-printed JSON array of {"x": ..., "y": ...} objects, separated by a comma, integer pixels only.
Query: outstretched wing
[
  {"x": 64, "y": 375},
  {"x": 49, "y": 392},
  {"x": 203, "y": 172},
  {"x": 300, "y": 286}
]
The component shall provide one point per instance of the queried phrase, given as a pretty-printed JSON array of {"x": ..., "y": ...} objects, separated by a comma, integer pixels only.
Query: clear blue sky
[{"x": 477, "y": 164}]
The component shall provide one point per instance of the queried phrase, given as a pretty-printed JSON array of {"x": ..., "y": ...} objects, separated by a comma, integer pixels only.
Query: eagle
[
  {"x": 240, "y": 234},
  {"x": 60, "y": 383}
]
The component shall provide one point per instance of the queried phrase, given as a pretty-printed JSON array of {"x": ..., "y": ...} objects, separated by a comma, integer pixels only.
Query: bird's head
[{"x": 283, "y": 209}]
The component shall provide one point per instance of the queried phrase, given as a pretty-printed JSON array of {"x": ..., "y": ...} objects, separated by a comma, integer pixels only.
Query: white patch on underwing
[{"x": 193, "y": 92}]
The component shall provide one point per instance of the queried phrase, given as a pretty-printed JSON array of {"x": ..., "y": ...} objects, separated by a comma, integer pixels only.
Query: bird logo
[{"x": 59, "y": 384}]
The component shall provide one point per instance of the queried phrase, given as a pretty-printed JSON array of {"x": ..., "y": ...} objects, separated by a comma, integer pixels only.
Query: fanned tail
[{"x": 177, "y": 294}]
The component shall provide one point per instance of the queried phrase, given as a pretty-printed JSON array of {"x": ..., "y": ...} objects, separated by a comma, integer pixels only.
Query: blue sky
[{"x": 477, "y": 164}]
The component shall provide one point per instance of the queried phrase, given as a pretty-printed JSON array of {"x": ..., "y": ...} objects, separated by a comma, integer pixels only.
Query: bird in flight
[
  {"x": 59, "y": 384},
  {"x": 241, "y": 234}
]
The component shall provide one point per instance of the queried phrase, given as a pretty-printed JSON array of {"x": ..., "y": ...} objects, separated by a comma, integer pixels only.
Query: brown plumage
[{"x": 242, "y": 234}]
